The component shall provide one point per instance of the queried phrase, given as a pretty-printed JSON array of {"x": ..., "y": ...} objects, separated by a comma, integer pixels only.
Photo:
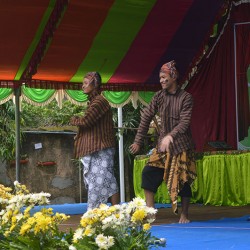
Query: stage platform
[
  {"x": 211, "y": 227},
  {"x": 77, "y": 208}
]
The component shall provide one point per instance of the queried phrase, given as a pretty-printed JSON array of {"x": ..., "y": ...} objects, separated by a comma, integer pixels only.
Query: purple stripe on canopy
[{"x": 189, "y": 38}]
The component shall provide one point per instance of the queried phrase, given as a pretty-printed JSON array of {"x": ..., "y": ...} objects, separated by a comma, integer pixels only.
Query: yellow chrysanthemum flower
[
  {"x": 138, "y": 215},
  {"x": 89, "y": 231},
  {"x": 146, "y": 227},
  {"x": 25, "y": 228}
]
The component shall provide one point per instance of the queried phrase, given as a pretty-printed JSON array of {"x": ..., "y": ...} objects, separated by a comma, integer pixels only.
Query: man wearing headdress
[
  {"x": 172, "y": 160},
  {"x": 95, "y": 144}
]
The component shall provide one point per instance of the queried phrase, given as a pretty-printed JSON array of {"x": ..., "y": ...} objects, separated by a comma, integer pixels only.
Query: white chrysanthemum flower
[
  {"x": 104, "y": 242},
  {"x": 137, "y": 202},
  {"x": 110, "y": 241},
  {"x": 78, "y": 234},
  {"x": 100, "y": 240},
  {"x": 3, "y": 201},
  {"x": 19, "y": 217},
  {"x": 16, "y": 183},
  {"x": 123, "y": 206},
  {"x": 72, "y": 247},
  {"x": 104, "y": 207},
  {"x": 150, "y": 220},
  {"x": 117, "y": 206},
  {"x": 151, "y": 210},
  {"x": 109, "y": 219},
  {"x": 110, "y": 222}
]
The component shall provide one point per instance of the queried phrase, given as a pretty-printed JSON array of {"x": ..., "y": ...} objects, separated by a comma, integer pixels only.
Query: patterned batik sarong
[
  {"x": 98, "y": 175},
  {"x": 178, "y": 170}
]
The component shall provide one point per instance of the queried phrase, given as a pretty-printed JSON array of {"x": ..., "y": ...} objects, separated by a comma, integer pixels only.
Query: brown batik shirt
[
  {"x": 175, "y": 112},
  {"x": 95, "y": 128}
]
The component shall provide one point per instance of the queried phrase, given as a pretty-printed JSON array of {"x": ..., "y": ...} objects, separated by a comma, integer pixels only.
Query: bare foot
[{"x": 184, "y": 219}]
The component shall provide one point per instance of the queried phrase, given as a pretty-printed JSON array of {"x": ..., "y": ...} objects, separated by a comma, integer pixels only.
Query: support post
[
  {"x": 17, "y": 93},
  {"x": 121, "y": 157}
]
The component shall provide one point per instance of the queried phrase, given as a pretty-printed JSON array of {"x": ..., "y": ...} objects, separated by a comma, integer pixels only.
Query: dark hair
[{"x": 98, "y": 78}]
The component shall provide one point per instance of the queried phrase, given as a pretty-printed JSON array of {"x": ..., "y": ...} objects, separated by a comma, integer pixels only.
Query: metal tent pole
[
  {"x": 121, "y": 157},
  {"x": 17, "y": 93}
]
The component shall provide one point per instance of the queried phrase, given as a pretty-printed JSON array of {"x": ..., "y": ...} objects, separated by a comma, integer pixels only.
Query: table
[{"x": 223, "y": 178}]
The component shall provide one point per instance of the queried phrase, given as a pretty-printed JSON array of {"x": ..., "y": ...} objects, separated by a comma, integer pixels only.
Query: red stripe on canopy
[
  {"x": 73, "y": 39},
  {"x": 163, "y": 21},
  {"x": 18, "y": 27}
]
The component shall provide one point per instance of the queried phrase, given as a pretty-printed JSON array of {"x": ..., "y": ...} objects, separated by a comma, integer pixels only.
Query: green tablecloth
[{"x": 222, "y": 179}]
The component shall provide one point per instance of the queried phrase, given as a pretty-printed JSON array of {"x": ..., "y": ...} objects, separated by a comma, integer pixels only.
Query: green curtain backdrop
[{"x": 222, "y": 179}]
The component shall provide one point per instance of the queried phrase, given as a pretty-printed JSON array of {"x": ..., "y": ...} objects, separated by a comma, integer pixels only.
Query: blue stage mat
[
  {"x": 221, "y": 234},
  {"x": 78, "y": 208}
]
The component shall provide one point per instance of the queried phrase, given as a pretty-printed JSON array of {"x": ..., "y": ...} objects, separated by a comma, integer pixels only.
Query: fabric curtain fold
[
  {"x": 5, "y": 94},
  {"x": 213, "y": 89},
  {"x": 242, "y": 33}
]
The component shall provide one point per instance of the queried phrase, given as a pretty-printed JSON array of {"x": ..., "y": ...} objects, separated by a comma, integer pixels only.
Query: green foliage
[
  {"x": 7, "y": 131},
  {"x": 49, "y": 115},
  {"x": 31, "y": 117},
  {"x": 131, "y": 120},
  {"x": 35, "y": 117}
]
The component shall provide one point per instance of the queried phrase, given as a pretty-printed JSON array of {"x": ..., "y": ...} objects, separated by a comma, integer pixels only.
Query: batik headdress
[
  {"x": 169, "y": 68},
  {"x": 94, "y": 78}
]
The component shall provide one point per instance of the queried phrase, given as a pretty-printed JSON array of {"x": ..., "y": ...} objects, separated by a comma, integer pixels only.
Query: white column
[
  {"x": 121, "y": 157},
  {"x": 17, "y": 93}
]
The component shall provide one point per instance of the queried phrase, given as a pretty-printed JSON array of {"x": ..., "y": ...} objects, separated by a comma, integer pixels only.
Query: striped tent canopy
[{"x": 47, "y": 46}]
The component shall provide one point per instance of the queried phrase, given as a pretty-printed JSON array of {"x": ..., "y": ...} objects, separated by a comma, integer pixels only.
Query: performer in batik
[
  {"x": 95, "y": 144},
  {"x": 172, "y": 160}
]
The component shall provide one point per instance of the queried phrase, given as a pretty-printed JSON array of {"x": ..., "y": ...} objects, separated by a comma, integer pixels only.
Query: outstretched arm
[{"x": 146, "y": 117}]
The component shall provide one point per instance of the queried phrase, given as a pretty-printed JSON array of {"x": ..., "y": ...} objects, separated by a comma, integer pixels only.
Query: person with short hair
[
  {"x": 95, "y": 144},
  {"x": 172, "y": 160}
]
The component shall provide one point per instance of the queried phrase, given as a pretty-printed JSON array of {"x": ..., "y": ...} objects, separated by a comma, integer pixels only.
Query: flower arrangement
[
  {"x": 120, "y": 227},
  {"x": 125, "y": 226},
  {"x": 21, "y": 230}
]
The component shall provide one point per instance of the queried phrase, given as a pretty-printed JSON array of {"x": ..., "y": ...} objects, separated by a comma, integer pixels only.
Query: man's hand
[
  {"x": 134, "y": 148},
  {"x": 165, "y": 143}
]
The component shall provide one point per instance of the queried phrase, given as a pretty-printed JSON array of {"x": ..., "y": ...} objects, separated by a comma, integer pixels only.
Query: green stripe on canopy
[
  {"x": 125, "y": 18},
  {"x": 36, "y": 40}
]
